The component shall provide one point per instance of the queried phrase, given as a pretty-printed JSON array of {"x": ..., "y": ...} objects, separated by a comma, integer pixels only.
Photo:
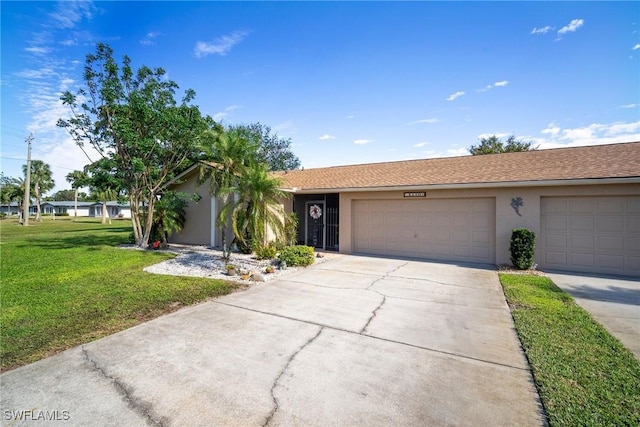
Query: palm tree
[
  {"x": 169, "y": 215},
  {"x": 41, "y": 181},
  {"x": 104, "y": 195},
  {"x": 12, "y": 190},
  {"x": 77, "y": 179},
  {"x": 251, "y": 196},
  {"x": 229, "y": 155},
  {"x": 256, "y": 210}
]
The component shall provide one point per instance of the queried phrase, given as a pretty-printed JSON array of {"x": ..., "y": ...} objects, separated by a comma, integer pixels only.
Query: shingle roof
[{"x": 577, "y": 163}]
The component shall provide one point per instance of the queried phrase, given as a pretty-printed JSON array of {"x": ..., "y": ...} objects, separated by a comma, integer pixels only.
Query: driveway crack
[
  {"x": 138, "y": 406},
  {"x": 276, "y": 406},
  {"x": 384, "y": 299},
  {"x": 386, "y": 275}
]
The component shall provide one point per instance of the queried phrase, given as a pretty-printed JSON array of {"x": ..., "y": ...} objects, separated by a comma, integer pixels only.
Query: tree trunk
[
  {"x": 38, "y": 213},
  {"x": 75, "y": 207},
  {"x": 134, "y": 205},
  {"x": 149, "y": 222},
  {"x": 104, "y": 213}
]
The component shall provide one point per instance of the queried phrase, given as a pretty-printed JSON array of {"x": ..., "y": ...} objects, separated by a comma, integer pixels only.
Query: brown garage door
[
  {"x": 591, "y": 234},
  {"x": 446, "y": 229}
]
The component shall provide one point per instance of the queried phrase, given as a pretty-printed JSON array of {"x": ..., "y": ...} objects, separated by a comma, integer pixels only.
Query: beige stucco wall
[
  {"x": 506, "y": 218},
  {"x": 197, "y": 228}
]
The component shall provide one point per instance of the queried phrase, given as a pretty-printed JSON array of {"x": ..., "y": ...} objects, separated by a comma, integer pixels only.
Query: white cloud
[
  {"x": 542, "y": 30},
  {"x": 572, "y": 26},
  {"x": 593, "y": 134},
  {"x": 630, "y": 106},
  {"x": 220, "y": 46},
  {"x": 430, "y": 121},
  {"x": 499, "y": 135},
  {"x": 454, "y": 152},
  {"x": 351, "y": 116},
  {"x": 38, "y": 50},
  {"x": 224, "y": 113},
  {"x": 361, "y": 141},
  {"x": 68, "y": 13},
  {"x": 420, "y": 144},
  {"x": 455, "y": 95},
  {"x": 551, "y": 129},
  {"x": 502, "y": 83},
  {"x": 149, "y": 38},
  {"x": 636, "y": 47},
  {"x": 326, "y": 137}
]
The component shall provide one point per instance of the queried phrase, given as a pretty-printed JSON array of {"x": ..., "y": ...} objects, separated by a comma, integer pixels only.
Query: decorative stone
[{"x": 257, "y": 277}]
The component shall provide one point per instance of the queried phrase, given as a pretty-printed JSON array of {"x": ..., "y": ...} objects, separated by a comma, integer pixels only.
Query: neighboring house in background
[
  {"x": 85, "y": 209},
  {"x": 14, "y": 208},
  {"x": 583, "y": 203}
]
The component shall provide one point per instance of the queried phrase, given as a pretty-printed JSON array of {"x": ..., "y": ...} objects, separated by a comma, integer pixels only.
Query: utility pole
[{"x": 27, "y": 184}]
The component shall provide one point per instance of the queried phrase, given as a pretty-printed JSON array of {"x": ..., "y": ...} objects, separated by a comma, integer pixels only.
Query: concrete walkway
[
  {"x": 612, "y": 301},
  {"x": 352, "y": 341}
]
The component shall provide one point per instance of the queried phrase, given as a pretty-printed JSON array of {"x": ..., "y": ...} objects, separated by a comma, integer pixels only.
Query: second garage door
[
  {"x": 591, "y": 234},
  {"x": 444, "y": 229}
]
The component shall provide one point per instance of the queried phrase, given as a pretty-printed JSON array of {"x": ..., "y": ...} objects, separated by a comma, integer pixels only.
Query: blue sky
[{"x": 348, "y": 82}]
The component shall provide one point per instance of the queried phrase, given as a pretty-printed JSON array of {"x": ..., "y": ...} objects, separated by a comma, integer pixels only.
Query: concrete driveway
[
  {"x": 352, "y": 341},
  {"x": 612, "y": 301}
]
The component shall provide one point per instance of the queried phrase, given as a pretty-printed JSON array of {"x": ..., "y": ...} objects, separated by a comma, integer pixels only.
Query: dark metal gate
[{"x": 332, "y": 229}]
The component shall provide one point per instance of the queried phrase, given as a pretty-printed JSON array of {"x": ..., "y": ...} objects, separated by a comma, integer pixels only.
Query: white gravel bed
[{"x": 201, "y": 261}]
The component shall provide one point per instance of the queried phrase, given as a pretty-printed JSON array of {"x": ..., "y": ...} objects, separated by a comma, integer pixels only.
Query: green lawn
[
  {"x": 584, "y": 375},
  {"x": 66, "y": 283}
]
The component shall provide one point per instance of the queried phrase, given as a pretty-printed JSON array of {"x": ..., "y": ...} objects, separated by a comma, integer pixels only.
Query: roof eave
[{"x": 454, "y": 186}]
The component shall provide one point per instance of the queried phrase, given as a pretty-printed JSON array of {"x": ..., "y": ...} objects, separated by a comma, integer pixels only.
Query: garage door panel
[
  {"x": 613, "y": 206},
  {"x": 582, "y": 243},
  {"x": 557, "y": 241},
  {"x": 611, "y": 224},
  {"x": 481, "y": 238},
  {"x": 555, "y": 258},
  {"x": 595, "y": 234},
  {"x": 610, "y": 261},
  {"x": 449, "y": 229},
  {"x": 582, "y": 260},
  {"x": 555, "y": 223},
  {"x": 610, "y": 243},
  {"x": 581, "y": 206},
  {"x": 581, "y": 224}
]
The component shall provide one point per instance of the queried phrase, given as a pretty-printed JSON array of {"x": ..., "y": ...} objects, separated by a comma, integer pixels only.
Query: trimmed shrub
[
  {"x": 299, "y": 255},
  {"x": 268, "y": 251},
  {"x": 523, "y": 243}
]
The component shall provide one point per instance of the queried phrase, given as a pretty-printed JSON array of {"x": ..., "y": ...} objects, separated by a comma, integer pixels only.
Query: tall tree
[
  {"x": 77, "y": 179},
  {"x": 493, "y": 145},
  {"x": 104, "y": 184},
  {"x": 273, "y": 150},
  {"x": 229, "y": 155},
  {"x": 41, "y": 182},
  {"x": 11, "y": 190},
  {"x": 256, "y": 209},
  {"x": 251, "y": 197},
  {"x": 132, "y": 118}
]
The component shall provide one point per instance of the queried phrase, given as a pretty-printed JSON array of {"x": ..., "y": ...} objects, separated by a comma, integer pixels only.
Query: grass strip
[
  {"x": 67, "y": 283},
  {"x": 584, "y": 375}
]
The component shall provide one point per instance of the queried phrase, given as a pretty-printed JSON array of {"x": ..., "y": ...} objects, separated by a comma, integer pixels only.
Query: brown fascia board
[{"x": 473, "y": 185}]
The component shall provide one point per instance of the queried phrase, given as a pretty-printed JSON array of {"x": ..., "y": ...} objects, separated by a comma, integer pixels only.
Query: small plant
[
  {"x": 231, "y": 269},
  {"x": 270, "y": 269},
  {"x": 291, "y": 228},
  {"x": 523, "y": 243},
  {"x": 298, "y": 255},
  {"x": 268, "y": 251}
]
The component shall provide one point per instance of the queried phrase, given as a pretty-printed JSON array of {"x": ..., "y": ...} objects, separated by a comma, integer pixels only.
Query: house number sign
[{"x": 415, "y": 194}]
